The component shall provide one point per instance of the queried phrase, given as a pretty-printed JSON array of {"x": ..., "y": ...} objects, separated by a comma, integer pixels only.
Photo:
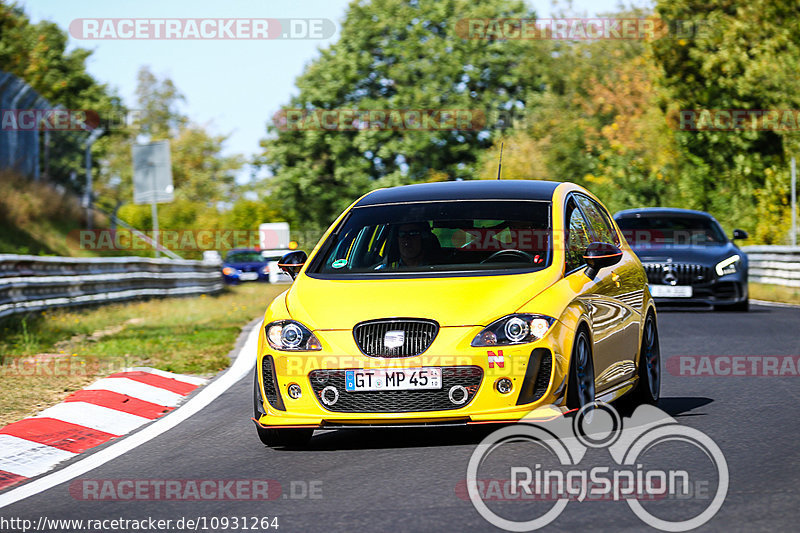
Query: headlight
[
  {"x": 514, "y": 329},
  {"x": 728, "y": 266},
  {"x": 289, "y": 335},
  {"x": 228, "y": 271}
]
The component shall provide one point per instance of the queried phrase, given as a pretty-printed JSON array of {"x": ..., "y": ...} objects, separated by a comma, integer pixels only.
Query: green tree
[
  {"x": 201, "y": 173},
  {"x": 37, "y": 53},
  {"x": 400, "y": 55},
  {"x": 158, "y": 103},
  {"x": 744, "y": 56},
  {"x": 203, "y": 177}
]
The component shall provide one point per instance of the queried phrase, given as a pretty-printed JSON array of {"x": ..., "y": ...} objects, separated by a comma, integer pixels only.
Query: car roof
[
  {"x": 660, "y": 211},
  {"x": 463, "y": 190},
  {"x": 273, "y": 251}
]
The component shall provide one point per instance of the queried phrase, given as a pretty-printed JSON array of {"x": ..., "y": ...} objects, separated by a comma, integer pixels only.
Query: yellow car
[{"x": 457, "y": 303}]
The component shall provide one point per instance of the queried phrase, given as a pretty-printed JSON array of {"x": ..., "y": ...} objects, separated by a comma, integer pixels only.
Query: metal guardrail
[
  {"x": 33, "y": 283},
  {"x": 776, "y": 265}
]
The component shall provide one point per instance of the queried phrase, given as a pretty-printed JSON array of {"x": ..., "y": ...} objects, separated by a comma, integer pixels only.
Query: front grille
[
  {"x": 684, "y": 273},
  {"x": 398, "y": 401},
  {"x": 418, "y": 335},
  {"x": 270, "y": 384}
]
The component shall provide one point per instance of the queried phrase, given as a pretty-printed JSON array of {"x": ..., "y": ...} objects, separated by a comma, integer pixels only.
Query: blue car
[{"x": 245, "y": 265}]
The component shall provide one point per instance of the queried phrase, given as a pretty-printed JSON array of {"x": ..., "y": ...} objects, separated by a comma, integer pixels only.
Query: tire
[
  {"x": 284, "y": 437},
  {"x": 580, "y": 390},
  {"x": 648, "y": 386}
]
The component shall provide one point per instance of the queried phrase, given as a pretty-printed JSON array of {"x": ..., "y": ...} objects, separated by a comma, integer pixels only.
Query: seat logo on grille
[{"x": 394, "y": 338}]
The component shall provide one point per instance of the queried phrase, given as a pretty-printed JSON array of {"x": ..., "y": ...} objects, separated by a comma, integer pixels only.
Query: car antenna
[{"x": 500, "y": 162}]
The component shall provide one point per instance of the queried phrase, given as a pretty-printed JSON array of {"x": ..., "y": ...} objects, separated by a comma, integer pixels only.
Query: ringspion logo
[{"x": 679, "y": 496}]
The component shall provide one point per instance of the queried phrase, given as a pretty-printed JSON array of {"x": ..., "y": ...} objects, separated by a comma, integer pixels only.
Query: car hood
[
  {"x": 454, "y": 301},
  {"x": 702, "y": 255}
]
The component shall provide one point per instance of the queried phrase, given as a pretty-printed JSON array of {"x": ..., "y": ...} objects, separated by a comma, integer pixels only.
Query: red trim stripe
[
  {"x": 58, "y": 434},
  {"x": 7, "y": 479},
  {"x": 119, "y": 402},
  {"x": 172, "y": 385}
]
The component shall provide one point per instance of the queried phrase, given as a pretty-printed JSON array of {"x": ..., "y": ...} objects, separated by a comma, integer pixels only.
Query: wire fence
[
  {"x": 34, "y": 150},
  {"x": 19, "y": 149}
]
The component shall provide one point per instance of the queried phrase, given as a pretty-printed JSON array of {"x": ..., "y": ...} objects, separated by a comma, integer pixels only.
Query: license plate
[
  {"x": 248, "y": 276},
  {"x": 393, "y": 379},
  {"x": 671, "y": 291}
]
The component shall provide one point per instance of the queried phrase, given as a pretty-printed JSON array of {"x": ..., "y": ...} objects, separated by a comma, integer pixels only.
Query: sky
[{"x": 231, "y": 86}]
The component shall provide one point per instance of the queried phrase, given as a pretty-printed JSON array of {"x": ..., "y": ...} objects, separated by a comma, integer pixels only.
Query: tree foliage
[{"x": 397, "y": 55}]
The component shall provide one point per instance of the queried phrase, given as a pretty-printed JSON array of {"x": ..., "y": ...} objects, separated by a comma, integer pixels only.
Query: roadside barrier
[
  {"x": 34, "y": 283},
  {"x": 776, "y": 265}
]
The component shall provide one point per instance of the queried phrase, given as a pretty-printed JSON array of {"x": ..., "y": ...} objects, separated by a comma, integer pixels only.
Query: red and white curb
[{"x": 108, "y": 408}]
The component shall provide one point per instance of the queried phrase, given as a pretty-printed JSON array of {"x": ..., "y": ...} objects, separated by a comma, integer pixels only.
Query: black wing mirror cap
[
  {"x": 292, "y": 262},
  {"x": 739, "y": 234},
  {"x": 599, "y": 255}
]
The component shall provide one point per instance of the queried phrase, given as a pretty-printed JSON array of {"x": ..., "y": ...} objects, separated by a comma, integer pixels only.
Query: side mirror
[
  {"x": 292, "y": 262},
  {"x": 599, "y": 255},
  {"x": 739, "y": 234}
]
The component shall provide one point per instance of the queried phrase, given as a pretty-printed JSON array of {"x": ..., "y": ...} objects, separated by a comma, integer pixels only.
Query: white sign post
[{"x": 152, "y": 178}]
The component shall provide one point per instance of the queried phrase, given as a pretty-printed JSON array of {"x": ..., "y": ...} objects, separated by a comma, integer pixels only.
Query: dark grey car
[{"x": 687, "y": 256}]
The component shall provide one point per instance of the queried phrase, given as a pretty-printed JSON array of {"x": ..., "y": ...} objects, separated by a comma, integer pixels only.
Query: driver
[{"x": 414, "y": 245}]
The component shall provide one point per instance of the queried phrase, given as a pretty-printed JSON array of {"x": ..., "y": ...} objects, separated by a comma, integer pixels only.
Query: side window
[
  {"x": 598, "y": 220},
  {"x": 610, "y": 224},
  {"x": 577, "y": 237}
]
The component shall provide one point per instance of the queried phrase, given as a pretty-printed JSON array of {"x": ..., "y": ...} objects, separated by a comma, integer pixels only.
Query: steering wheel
[{"x": 510, "y": 253}]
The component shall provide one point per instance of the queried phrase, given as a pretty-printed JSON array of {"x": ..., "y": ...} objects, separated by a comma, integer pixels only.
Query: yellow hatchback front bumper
[{"x": 537, "y": 372}]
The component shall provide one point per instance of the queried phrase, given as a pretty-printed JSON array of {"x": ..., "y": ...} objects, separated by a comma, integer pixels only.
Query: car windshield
[
  {"x": 453, "y": 236},
  {"x": 245, "y": 257},
  {"x": 652, "y": 231}
]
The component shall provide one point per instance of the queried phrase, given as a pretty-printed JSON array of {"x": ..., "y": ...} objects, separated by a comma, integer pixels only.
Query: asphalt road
[{"x": 405, "y": 480}]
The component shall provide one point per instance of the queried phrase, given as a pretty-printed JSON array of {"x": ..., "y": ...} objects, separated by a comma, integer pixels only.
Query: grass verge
[
  {"x": 46, "y": 356},
  {"x": 36, "y": 219},
  {"x": 774, "y": 293}
]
